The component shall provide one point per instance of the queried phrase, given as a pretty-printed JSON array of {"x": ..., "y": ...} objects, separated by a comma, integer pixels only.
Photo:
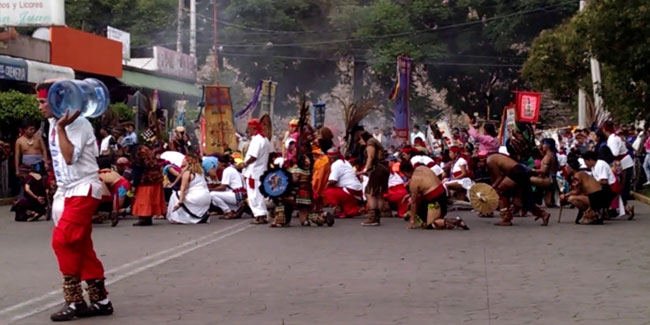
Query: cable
[
  {"x": 402, "y": 34},
  {"x": 286, "y": 57}
]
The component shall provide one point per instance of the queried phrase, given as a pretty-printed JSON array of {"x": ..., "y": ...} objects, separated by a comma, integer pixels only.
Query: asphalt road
[{"x": 230, "y": 272}]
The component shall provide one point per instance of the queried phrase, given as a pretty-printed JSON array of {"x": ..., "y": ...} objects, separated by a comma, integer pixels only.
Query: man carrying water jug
[{"x": 74, "y": 150}]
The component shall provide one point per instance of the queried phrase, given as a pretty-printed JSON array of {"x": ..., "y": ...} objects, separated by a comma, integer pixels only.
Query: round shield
[{"x": 275, "y": 182}]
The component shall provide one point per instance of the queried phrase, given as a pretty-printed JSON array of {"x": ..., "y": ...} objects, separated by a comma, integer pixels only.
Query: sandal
[
  {"x": 630, "y": 212},
  {"x": 259, "y": 221},
  {"x": 545, "y": 218},
  {"x": 115, "y": 218}
]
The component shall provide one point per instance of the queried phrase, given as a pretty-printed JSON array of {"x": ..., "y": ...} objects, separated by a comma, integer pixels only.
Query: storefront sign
[
  {"x": 38, "y": 72},
  {"x": 122, "y": 37},
  {"x": 86, "y": 52},
  {"x": 13, "y": 69},
  {"x": 219, "y": 126},
  {"x": 32, "y": 12},
  {"x": 175, "y": 63}
]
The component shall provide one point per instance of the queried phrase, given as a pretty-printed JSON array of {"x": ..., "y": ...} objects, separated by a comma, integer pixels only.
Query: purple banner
[
  {"x": 401, "y": 96},
  {"x": 253, "y": 103}
]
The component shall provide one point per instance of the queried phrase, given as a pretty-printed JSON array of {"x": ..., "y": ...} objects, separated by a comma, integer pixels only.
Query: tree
[{"x": 611, "y": 31}]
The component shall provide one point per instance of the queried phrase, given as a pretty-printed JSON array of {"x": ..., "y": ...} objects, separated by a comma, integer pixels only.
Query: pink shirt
[
  {"x": 647, "y": 144},
  {"x": 486, "y": 143}
]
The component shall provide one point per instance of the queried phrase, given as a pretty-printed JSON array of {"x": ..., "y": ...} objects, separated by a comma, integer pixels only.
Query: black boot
[
  {"x": 143, "y": 221},
  {"x": 98, "y": 296},
  {"x": 74, "y": 306}
]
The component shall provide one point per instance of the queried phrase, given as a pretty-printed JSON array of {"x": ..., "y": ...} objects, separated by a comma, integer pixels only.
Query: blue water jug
[{"x": 88, "y": 95}]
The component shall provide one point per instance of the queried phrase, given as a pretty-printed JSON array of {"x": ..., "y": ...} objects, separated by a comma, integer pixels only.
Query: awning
[
  {"x": 38, "y": 72},
  {"x": 149, "y": 81},
  {"x": 13, "y": 69}
]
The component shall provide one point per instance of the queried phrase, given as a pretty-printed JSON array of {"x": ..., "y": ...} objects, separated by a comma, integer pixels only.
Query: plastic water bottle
[{"x": 89, "y": 95}]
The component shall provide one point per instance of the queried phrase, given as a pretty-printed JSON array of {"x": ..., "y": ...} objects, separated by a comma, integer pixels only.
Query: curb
[
  {"x": 641, "y": 197},
  {"x": 7, "y": 200}
]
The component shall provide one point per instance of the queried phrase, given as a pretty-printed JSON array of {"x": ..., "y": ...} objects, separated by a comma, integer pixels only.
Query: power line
[
  {"x": 287, "y": 57},
  {"x": 402, "y": 34}
]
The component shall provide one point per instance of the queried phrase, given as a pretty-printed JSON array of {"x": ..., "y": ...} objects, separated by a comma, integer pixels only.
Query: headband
[{"x": 41, "y": 94}]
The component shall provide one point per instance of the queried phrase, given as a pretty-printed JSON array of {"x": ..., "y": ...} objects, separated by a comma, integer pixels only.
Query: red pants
[
  {"x": 337, "y": 197},
  {"x": 71, "y": 239},
  {"x": 397, "y": 196}
]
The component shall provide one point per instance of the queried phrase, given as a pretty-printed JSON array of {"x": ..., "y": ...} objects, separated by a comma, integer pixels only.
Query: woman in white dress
[
  {"x": 190, "y": 204},
  {"x": 459, "y": 182}
]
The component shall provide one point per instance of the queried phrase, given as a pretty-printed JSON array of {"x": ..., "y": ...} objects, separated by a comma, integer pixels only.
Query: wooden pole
[{"x": 216, "y": 49}]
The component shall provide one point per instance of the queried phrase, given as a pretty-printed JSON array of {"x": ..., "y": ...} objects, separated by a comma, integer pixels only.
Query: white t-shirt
[
  {"x": 106, "y": 142},
  {"x": 258, "y": 148},
  {"x": 602, "y": 171},
  {"x": 457, "y": 166},
  {"x": 231, "y": 178},
  {"x": 78, "y": 178},
  {"x": 343, "y": 174},
  {"x": 617, "y": 146},
  {"x": 394, "y": 180}
]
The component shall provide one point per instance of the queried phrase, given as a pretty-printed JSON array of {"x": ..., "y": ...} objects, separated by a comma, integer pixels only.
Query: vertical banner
[
  {"x": 528, "y": 104},
  {"x": 219, "y": 127},
  {"x": 401, "y": 97},
  {"x": 179, "y": 115},
  {"x": 267, "y": 99},
  {"x": 318, "y": 115},
  {"x": 508, "y": 119}
]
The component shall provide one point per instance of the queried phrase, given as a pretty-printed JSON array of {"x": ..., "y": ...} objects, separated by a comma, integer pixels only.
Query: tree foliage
[
  {"x": 16, "y": 108},
  {"x": 612, "y": 31}
]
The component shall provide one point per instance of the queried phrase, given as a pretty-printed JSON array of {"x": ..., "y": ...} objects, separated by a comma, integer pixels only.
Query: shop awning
[
  {"x": 38, "y": 72},
  {"x": 13, "y": 69},
  {"x": 149, "y": 81}
]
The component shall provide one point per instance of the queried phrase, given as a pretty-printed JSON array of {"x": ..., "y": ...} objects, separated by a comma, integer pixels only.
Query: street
[{"x": 230, "y": 272}]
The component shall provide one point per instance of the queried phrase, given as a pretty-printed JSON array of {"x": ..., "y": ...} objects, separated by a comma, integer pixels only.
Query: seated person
[
  {"x": 231, "y": 193},
  {"x": 191, "y": 203},
  {"x": 397, "y": 194},
  {"x": 32, "y": 203},
  {"x": 428, "y": 199},
  {"x": 344, "y": 191},
  {"x": 459, "y": 182},
  {"x": 587, "y": 195}
]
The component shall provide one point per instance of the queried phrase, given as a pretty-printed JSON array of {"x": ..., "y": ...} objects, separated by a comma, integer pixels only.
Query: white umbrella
[{"x": 173, "y": 157}]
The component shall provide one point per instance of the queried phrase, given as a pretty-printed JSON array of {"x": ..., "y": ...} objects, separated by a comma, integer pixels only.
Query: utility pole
[
  {"x": 216, "y": 49},
  {"x": 193, "y": 28},
  {"x": 179, "y": 28},
  {"x": 597, "y": 86}
]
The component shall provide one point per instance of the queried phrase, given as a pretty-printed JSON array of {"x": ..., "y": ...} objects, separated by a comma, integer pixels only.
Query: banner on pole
[
  {"x": 318, "y": 115},
  {"x": 401, "y": 97},
  {"x": 219, "y": 126},
  {"x": 528, "y": 104},
  {"x": 267, "y": 98}
]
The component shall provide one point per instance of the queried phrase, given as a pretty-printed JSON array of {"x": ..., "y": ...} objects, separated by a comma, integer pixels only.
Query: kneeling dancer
[
  {"x": 74, "y": 151},
  {"x": 428, "y": 199},
  {"x": 591, "y": 199},
  {"x": 509, "y": 179}
]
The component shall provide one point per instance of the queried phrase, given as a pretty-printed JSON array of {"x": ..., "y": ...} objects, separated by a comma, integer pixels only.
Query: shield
[
  {"x": 267, "y": 126},
  {"x": 275, "y": 183},
  {"x": 483, "y": 198}
]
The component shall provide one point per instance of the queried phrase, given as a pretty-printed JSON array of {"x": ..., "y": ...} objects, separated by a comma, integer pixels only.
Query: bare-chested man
[
  {"x": 428, "y": 199},
  {"x": 544, "y": 177},
  {"x": 509, "y": 179},
  {"x": 30, "y": 151},
  {"x": 587, "y": 195}
]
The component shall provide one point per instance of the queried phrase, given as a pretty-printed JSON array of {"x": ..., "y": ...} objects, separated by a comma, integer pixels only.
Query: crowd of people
[{"x": 72, "y": 172}]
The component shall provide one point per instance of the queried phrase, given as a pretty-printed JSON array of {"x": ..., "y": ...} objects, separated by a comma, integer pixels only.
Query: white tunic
[
  {"x": 618, "y": 148},
  {"x": 343, "y": 174},
  {"x": 258, "y": 148},
  {"x": 197, "y": 201}
]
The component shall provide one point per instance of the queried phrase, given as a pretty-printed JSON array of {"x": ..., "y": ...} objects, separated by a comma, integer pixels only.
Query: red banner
[{"x": 528, "y": 104}]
